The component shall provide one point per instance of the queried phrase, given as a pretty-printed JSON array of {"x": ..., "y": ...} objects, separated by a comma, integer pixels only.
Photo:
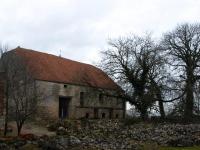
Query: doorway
[{"x": 64, "y": 107}]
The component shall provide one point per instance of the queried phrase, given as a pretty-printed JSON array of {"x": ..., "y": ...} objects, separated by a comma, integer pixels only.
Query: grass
[
  {"x": 180, "y": 148},
  {"x": 154, "y": 146}
]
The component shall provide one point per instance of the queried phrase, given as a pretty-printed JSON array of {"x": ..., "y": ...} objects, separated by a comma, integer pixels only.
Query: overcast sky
[{"x": 81, "y": 28}]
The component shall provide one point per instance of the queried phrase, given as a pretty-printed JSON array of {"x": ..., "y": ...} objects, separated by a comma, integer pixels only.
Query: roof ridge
[{"x": 46, "y": 53}]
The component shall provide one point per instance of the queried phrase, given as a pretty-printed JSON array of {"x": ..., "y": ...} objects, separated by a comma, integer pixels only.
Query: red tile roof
[{"x": 52, "y": 68}]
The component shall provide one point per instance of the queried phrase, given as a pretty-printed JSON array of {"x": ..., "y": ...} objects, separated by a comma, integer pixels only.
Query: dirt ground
[{"x": 32, "y": 128}]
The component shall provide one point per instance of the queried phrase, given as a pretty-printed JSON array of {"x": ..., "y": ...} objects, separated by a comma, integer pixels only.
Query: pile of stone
[
  {"x": 109, "y": 134},
  {"x": 114, "y": 134}
]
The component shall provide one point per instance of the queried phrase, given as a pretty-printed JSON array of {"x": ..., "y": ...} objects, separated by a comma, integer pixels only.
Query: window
[
  {"x": 103, "y": 115},
  {"x": 96, "y": 113},
  {"x": 87, "y": 115},
  {"x": 65, "y": 86},
  {"x": 81, "y": 98},
  {"x": 101, "y": 98},
  {"x": 111, "y": 113},
  {"x": 117, "y": 116}
]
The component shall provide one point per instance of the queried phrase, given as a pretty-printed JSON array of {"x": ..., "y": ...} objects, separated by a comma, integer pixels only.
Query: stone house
[{"x": 72, "y": 89}]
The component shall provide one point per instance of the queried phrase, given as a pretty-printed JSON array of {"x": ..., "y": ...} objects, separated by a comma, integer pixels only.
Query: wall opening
[
  {"x": 87, "y": 115},
  {"x": 81, "y": 98},
  {"x": 96, "y": 111},
  {"x": 64, "y": 107},
  {"x": 117, "y": 116},
  {"x": 101, "y": 98},
  {"x": 103, "y": 115}
]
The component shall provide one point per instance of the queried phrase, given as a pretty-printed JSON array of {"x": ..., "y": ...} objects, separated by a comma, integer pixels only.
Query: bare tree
[
  {"x": 24, "y": 95},
  {"x": 131, "y": 61},
  {"x": 183, "y": 47}
]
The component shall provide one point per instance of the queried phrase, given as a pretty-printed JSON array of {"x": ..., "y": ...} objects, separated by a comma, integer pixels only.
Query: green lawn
[
  {"x": 154, "y": 146},
  {"x": 181, "y": 148}
]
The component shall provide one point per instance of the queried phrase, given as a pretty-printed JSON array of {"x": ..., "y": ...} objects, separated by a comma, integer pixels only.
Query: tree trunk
[
  {"x": 144, "y": 114},
  {"x": 19, "y": 128},
  {"x": 161, "y": 108},
  {"x": 160, "y": 103},
  {"x": 6, "y": 113},
  {"x": 189, "y": 100},
  {"x": 6, "y": 121},
  {"x": 160, "y": 99}
]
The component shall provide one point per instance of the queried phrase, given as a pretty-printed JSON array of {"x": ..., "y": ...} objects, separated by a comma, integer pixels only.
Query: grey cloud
[{"x": 80, "y": 28}]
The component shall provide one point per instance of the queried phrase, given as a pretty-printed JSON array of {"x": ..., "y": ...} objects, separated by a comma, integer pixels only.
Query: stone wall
[
  {"x": 97, "y": 103},
  {"x": 1, "y": 94}
]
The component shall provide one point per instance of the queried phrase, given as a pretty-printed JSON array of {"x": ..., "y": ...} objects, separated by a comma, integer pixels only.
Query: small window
[
  {"x": 101, "y": 98},
  {"x": 65, "y": 86},
  {"x": 103, "y": 115},
  {"x": 87, "y": 115},
  {"x": 117, "y": 116},
  {"x": 81, "y": 98}
]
